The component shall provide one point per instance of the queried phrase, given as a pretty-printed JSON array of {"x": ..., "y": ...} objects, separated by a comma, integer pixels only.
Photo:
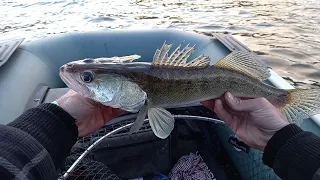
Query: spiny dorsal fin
[
  {"x": 246, "y": 63},
  {"x": 178, "y": 58}
]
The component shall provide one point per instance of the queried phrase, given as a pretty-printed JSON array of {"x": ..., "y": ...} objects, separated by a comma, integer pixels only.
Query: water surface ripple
[{"x": 285, "y": 33}]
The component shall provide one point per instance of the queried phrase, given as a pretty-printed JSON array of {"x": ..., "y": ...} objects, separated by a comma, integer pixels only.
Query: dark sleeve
[
  {"x": 294, "y": 154},
  {"x": 36, "y": 143}
]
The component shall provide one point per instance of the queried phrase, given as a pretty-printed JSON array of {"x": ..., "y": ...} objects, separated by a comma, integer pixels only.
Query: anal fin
[{"x": 161, "y": 122}]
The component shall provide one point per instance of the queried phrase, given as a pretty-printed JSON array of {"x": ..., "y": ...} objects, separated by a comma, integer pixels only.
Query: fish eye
[{"x": 87, "y": 76}]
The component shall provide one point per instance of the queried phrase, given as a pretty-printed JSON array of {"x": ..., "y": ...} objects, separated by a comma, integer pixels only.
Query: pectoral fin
[
  {"x": 139, "y": 121},
  {"x": 161, "y": 122}
]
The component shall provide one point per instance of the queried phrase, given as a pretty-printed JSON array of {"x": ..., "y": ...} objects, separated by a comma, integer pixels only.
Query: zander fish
[{"x": 171, "y": 81}]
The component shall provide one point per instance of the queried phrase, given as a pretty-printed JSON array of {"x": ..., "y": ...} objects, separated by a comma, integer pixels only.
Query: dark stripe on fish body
[{"x": 177, "y": 86}]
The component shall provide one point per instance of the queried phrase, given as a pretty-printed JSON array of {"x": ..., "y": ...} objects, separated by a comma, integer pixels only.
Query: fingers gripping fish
[{"x": 171, "y": 81}]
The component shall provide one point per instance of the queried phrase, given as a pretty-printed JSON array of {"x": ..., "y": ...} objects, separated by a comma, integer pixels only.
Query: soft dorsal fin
[
  {"x": 178, "y": 58},
  {"x": 246, "y": 63}
]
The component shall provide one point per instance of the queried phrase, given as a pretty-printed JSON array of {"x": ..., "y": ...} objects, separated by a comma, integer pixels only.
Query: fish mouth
[
  {"x": 73, "y": 84},
  {"x": 65, "y": 79},
  {"x": 67, "y": 67}
]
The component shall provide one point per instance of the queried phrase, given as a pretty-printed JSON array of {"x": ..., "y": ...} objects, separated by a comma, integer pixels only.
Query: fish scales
[
  {"x": 172, "y": 81},
  {"x": 174, "y": 87}
]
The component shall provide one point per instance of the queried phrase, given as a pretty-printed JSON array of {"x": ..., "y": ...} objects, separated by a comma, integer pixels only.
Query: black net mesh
[
  {"x": 88, "y": 167},
  {"x": 91, "y": 169}
]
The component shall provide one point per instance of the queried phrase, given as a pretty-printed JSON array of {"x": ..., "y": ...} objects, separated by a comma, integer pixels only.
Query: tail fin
[{"x": 301, "y": 104}]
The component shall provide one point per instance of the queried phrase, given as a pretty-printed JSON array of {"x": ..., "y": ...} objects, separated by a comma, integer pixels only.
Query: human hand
[
  {"x": 90, "y": 115},
  {"x": 254, "y": 121}
]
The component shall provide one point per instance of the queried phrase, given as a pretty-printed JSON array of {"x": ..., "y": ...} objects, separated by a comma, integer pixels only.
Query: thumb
[{"x": 238, "y": 104}]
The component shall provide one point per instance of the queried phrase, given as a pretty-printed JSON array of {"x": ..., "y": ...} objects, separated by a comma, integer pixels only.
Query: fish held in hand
[{"x": 170, "y": 80}]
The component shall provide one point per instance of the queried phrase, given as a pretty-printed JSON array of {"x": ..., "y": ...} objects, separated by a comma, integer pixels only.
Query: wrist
[
  {"x": 277, "y": 140},
  {"x": 269, "y": 134},
  {"x": 264, "y": 140},
  {"x": 61, "y": 102}
]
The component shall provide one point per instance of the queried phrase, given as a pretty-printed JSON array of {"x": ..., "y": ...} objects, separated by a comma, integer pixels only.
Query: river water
[{"x": 285, "y": 33}]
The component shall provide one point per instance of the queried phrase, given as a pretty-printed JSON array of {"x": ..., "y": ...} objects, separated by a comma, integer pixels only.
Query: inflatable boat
[{"x": 29, "y": 76}]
